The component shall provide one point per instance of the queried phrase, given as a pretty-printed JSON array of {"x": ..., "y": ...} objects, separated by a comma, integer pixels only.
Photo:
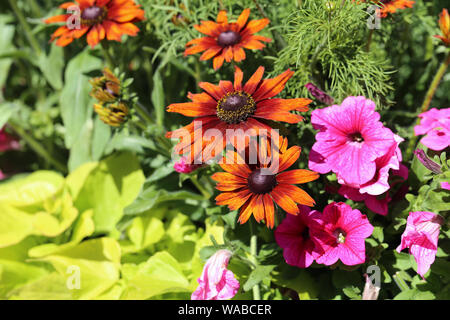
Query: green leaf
[
  {"x": 32, "y": 190},
  {"x": 159, "y": 274},
  {"x": 15, "y": 225},
  {"x": 52, "y": 66},
  {"x": 6, "y": 38},
  {"x": 6, "y": 110},
  {"x": 75, "y": 102},
  {"x": 158, "y": 97},
  {"x": 109, "y": 188},
  {"x": 98, "y": 262},
  {"x": 257, "y": 275}
]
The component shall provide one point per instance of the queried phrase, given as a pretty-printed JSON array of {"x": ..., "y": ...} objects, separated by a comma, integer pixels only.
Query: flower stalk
[
  {"x": 254, "y": 260},
  {"x": 426, "y": 102},
  {"x": 37, "y": 147}
]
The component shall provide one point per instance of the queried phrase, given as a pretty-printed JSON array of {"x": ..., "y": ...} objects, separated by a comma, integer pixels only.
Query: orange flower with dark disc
[
  {"x": 444, "y": 24},
  {"x": 225, "y": 41},
  {"x": 255, "y": 188},
  {"x": 98, "y": 19},
  {"x": 232, "y": 109}
]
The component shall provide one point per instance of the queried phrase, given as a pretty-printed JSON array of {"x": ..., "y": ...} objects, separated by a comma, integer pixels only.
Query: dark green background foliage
[{"x": 155, "y": 233}]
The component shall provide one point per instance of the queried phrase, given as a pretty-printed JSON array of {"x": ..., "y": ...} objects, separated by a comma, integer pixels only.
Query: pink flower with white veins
[
  {"x": 341, "y": 235},
  {"x": 421, "y": 237},
  {"x": 216, "y": 281},
  {"x": 350, "y": 139}
]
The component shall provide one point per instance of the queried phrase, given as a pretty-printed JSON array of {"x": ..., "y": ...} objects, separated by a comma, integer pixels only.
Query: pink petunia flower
[
  {"x": 351, "y": 138},
  {"x": 421, "y": 237},
  {"x": 182, "y": 166},
  {"x": 430, "y": 120},
  {"x": 439, "y": 138},
  {"x": 445, "y": 185},
  {"x": 341, "y": 235},
  {"x": 374, "y": 192},
  {"x": 295, "y": 237},
  {"x": 7, "y": 142},
  {"x": 216, "y": 281},
  {"x": 436, "y": 125}
]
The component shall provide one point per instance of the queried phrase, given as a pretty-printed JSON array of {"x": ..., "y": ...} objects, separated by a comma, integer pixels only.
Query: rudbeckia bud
[
  {"x": 105, "y": 88},
  {"x": 114, "y": 114},
  {"x": 444, "y": 24},
  {"x": 330, "y": 5}
]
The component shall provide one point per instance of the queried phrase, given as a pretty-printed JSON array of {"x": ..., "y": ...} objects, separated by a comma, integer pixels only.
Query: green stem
[
  {"x": 143, "y": 113},
  {"x": 369, "y": 40},
  {"x": 37, "y": 147},
  {"x": 200, "y": 188},
  {"x": 107, "y": 55},
  {"x": 426, "y": 102},
  {"x": 29, "y": 34},
  {"x": 254, "y": 254}
]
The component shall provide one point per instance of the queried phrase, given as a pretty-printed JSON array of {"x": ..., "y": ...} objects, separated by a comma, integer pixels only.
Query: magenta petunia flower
[
  {"x": 182, "y": 166},
  {"x": 436, "y": 125},
  {"x": 295, "y": 237},
  {"x": 216, "y": 281},
  {"x": 421, "y": 237},
  {"x": 7, "y": 142},
  {"x": 341, "y": 235},
  {"x": 351, "y": 138}
]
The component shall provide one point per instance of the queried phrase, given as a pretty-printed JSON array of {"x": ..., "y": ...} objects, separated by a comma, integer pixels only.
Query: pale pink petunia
[
  {"x": 445, "y": 185},
  {"x": 350, "y": 139},
  {"x": 182, "y": 166},
  {"x": 2, "y": 175},
  {"x": 431, "y": 119},
  {"x": 341, "y": 235},
  {"x": 7, "y": 142},
  {"x": 421, "y": 237},
  {"x": 295, "y": 237},
  {"x": 216, "y": 281}
]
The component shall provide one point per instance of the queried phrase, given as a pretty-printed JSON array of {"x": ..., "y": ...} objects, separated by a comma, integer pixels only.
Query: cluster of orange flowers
[{"x": 229, "y": 108}]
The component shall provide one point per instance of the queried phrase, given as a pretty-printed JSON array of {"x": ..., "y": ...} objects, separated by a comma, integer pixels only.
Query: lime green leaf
[
  {"x": 258, "y": 274},
  {"x": 109, "y": 188},
  {"x": 160, "y": 274}
]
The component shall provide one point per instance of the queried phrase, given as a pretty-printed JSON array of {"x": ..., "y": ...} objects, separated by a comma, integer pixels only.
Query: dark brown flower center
[
  {"x": 235, "y": 107},
  {"x": 261, "y": 183},
  {"x": 228, "y": 38},
  {"x": 93, "y": 15},
  {"x": 340, "y": 235},
  {"x": 356, "y": 137}
]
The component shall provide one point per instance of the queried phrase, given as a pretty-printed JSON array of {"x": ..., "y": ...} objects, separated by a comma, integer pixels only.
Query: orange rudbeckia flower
[
  {"x": 444, "y": 24},
  {"x": 225, "y": 41},
  {"x": 388, "y": 6},
  {"x": 246, "y": 187},
  {"x": 232, "y": 109},
  {"x": 98, "y": 19}
]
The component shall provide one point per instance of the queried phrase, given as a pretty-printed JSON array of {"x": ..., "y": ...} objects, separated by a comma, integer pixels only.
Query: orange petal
[
  {"x": 238, "y": 53},
  {"x": 246, "y": 210},
  {"x": 222, "y": 17},
  {"x": 271, "y": 87},
  {"x": 238, "y": 76},
  {"x": 258, "y": 211},
  {"x": 297, "y": 176},
  {"x": 297, "y": 194},
  {"x": 192, "y": 109},
  {"x": 218, "y": 62},
  {"x": 284, "y": 201},
  {"x": 242, "y": 20},
  {"x": 255, "y": 25},
  {"x": 208, "y": 54},
  {"x": 58, "y": 18},
  {"x": 289, "y": 157},
  {"x": 269, "y": 210},
  {"x": 253, "y": 82},
  {"x": 226, "y": 177},
  {"x": 214, "y": 91}
]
